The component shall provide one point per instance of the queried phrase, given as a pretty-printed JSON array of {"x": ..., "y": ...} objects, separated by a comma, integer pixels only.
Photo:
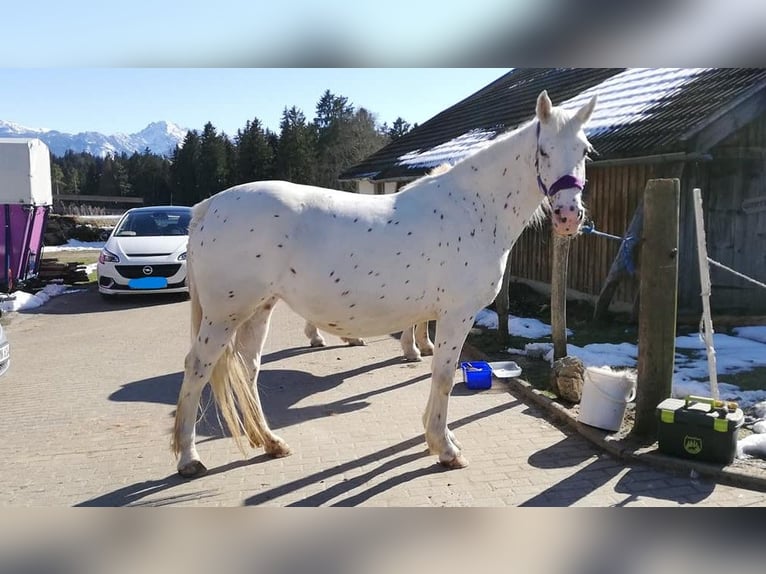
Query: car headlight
[
  {"x": 182, "y": 257},
  {"x": 107, "y": 256}
]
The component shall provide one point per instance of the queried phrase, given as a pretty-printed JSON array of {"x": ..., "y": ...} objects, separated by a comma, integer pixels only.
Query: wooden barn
[{"x": 706, "y": 127}]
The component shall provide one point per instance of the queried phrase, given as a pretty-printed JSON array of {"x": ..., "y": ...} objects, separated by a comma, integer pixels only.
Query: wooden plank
[{"x": 659, "y": 293}]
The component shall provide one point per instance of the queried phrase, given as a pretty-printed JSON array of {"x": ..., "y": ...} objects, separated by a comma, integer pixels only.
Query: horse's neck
[{"x": 503, "y": 178}]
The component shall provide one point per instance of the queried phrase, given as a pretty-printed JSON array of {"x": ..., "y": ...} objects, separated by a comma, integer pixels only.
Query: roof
[{"x": 640, "y": 112}]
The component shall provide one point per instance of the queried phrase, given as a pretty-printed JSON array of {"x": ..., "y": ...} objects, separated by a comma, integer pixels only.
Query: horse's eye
[{"x": 543, "y": 152}]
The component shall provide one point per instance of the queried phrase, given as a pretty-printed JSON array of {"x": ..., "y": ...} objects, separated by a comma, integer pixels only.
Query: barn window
[{"x": 380, "y": 188}]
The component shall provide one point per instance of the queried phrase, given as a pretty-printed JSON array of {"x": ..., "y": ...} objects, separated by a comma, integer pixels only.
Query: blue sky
[{"x": 125, "y": 100}]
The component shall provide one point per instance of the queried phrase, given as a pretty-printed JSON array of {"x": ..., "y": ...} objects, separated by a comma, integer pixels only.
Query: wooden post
[
  {"x": 658, "y": 303},
  {"x": 699, "y": 221},
  {"x": 559, "y": 296},
  {"x": 502, "y": 306}
]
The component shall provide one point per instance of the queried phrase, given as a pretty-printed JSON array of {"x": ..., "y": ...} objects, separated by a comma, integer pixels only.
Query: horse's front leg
[
  {"x": 315, "y": 339},
  {"x": 409, "y": 349},
  {"x": 451, "y": 332}
]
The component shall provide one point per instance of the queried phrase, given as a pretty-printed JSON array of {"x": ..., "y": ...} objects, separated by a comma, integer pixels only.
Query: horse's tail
[
  {"x": 229, "y": 380},
  {"x": 233, "y": 393}
]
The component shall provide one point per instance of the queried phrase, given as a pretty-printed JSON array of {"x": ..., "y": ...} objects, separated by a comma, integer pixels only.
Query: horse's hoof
[
  {"x": 458, "y": 462},
  {"x": 355, "y": 342},
  {"x": 427, "y": 352},
  {"x": 278, "y": 450},
  {"x": 413, "y": 358},
  {"x": 194, "y": 469},
  {"x": 317, "y": 343}
]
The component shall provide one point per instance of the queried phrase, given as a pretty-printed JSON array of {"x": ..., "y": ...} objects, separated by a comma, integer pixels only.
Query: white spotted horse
[
  {"x": 366, "y": 265},
  {"x": 415, "y": 340}
]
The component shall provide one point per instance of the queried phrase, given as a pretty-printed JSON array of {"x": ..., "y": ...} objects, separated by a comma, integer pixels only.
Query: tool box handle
[{"x": 714, "y": 403}]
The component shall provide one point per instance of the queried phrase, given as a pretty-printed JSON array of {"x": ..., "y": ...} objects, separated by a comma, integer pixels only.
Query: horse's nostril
[
  {"x": 580, "y": 214},
  {"x": 557, "y": 211},
  {"x": 563, "y": 219}
]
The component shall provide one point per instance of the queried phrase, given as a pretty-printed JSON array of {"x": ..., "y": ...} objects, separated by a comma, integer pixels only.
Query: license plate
[
  {"x": 5, "y": 352},
  {"x": 148, "y": 283}
]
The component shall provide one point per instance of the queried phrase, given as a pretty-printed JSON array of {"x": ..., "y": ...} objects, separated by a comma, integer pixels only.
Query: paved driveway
[{"x": 89, "y": 399}]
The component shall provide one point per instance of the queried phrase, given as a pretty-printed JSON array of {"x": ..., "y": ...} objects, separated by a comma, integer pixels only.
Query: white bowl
[{"x": 505, "y": 369}]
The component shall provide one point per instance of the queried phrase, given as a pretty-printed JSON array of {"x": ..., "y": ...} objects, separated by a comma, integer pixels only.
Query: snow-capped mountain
[{"x": 160, "y": 137}]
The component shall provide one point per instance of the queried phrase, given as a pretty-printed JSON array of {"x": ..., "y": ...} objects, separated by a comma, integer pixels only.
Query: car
[
  {"x": 5, "y": 352},
  {"x": 146, "y": 253}
]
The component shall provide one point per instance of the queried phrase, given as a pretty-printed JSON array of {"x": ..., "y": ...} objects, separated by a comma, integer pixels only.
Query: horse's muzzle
[{"x": 567, "y": 219}]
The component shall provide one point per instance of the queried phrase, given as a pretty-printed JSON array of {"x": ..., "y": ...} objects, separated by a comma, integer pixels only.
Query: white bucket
[{"x": 605, "y": 394}]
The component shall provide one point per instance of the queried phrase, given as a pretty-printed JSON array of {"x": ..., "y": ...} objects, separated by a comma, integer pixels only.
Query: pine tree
[
  {"x": 255, "y": 153},
  {"x": 184, "y": 171},
  {"x": 398, "y": 129},
  {"x": 296, "y": 156},
  {"x": 212, "y": 163}
]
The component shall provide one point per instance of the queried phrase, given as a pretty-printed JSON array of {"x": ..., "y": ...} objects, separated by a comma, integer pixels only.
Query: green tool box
[{"x": 699, "y": 428}]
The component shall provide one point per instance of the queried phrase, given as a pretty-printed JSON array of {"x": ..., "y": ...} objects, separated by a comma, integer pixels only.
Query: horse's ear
[
  {"x": 544, "y": 107},
  {"x": 585, "y": 112}
]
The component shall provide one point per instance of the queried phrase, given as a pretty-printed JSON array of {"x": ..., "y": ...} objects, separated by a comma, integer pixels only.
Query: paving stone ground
[{"x": 89, "y": 399}]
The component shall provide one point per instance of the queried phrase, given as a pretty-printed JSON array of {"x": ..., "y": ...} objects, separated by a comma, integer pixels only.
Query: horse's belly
[{"x": 360, "y": 320}]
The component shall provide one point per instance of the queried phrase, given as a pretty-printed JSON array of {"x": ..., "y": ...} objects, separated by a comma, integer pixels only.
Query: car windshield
[{"x": 154, "y": 224}]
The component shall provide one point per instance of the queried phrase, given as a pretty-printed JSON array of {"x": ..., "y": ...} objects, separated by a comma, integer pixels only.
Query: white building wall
[
  {"x": 368, "y": 188},
  {"x": 364, "y": 186}
]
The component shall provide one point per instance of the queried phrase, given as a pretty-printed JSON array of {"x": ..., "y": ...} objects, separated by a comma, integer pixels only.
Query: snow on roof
[
  {"x": 448, "y": 152},
  {"x": 624, "y": 98}
]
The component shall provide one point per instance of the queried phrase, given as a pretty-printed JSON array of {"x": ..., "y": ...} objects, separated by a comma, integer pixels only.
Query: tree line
[{"x": 308, "y": 152}]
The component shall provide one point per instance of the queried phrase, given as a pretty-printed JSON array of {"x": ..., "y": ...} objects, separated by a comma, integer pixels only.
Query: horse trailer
[{"x": 25, "y": 202}]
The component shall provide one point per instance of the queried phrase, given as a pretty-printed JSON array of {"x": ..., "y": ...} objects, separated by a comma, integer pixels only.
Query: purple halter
[{"x": 564, "y": 182}]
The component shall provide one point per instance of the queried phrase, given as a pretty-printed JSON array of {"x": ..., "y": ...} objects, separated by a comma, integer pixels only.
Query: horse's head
[{"x": 560, "y": 161}]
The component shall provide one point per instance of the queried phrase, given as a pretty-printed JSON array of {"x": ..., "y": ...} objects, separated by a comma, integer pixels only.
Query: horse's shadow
[{"x": 280, "y": 391}]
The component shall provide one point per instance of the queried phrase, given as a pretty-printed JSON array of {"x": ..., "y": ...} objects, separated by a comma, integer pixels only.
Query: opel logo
[{"x": 147, "y": 270}]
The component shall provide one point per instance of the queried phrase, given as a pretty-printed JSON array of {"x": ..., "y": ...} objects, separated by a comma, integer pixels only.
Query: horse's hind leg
[
  {"x": 315, "y": 339},
  {"x": 422, "y": 339},
  {"x": 250, "y": 339},
  {"x": 205, "y": 351},
  {"x": 451, "y": 333}
]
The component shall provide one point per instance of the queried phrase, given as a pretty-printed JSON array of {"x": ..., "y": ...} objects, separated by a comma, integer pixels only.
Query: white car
[{"x": 146, "y": 253}]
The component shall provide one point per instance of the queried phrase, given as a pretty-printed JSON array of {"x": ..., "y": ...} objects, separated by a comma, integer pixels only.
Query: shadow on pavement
[
  {"x": 84, "y": 299},
  {"x": 347, "y": 486},
  {"x": 280, "y": 390},
  {"x": 636, "y": 483},
  {"x": 132, "y": 495}
]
